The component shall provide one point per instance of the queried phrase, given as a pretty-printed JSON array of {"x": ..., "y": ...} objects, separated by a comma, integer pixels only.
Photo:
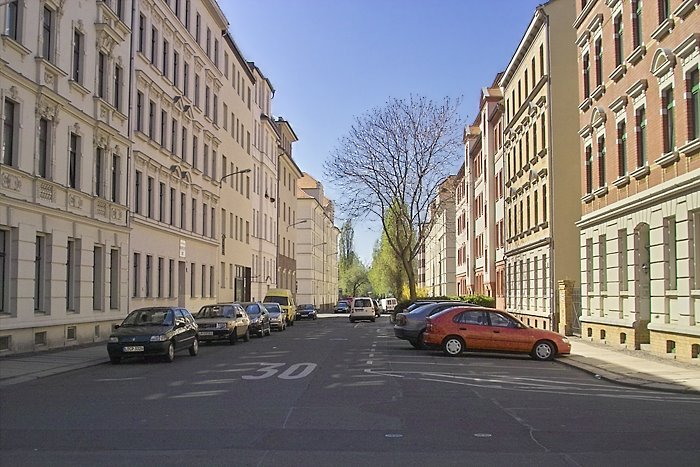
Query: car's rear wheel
[
  {"x": 246, "y": 336},
  {"x": 373, "y": 320},
  {"x": 170, "y": 353},
  {"x": 414, "y": 344},
  {"x": 453, "y": 346},
  {"x": 115, "y": 360},
  {"x": 543, "y": 351},
  {"x": 194, "y": 348}
]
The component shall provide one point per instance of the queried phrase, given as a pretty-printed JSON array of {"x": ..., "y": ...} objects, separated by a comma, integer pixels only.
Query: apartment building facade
[
  {"x": 639, "y": 102},
  {"x": 483, "y": 141},
  {"x": 64, "y": 226},
  {"x": 317, "y": 245},
  {"x": 440, "y": 243},
  {"x": 288, "y": 174},
  {"x": 542, "y": 202},
  {"x": 462, "y": 221}
]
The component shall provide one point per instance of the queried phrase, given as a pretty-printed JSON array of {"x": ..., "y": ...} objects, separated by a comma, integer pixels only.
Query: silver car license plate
[
  {"x": 206, "y": 333},
  {"x": 133, "y": 348}
]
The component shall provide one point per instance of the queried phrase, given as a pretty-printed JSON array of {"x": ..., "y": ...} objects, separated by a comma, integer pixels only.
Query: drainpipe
[{"x": 129, "y": 153}]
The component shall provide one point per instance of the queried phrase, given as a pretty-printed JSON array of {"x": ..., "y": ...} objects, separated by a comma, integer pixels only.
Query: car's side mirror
[
  {"x": 117, "y": 326},
  {"x": 239, "y": 315}
]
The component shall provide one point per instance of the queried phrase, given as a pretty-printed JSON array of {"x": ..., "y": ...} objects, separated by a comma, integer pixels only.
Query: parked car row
[
  {"x": 163, "y": 331},
  {"x": 456, "y": 327}
]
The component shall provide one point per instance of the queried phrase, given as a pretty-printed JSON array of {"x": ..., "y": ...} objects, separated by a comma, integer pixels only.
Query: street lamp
[
  {"x": 297, "y": 223},
  {"x": 244, "y": 171}
]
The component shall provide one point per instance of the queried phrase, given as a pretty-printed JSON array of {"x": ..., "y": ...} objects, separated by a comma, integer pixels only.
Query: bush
[{"x": 480, "y": 300}]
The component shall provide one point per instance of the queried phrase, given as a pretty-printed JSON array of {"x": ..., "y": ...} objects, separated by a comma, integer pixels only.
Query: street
[{"x": 328, "y": 392}]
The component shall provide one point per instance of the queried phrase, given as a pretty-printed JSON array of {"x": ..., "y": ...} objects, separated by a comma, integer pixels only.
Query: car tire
[
  {"x": 233, "y": 338},
  {"x": 352, "y": 320},
  {"x": 194, "y": 348},
  {"x": 291, "y": 323},
  {"x": 543, "y": 351},
  {"x": 115, "y": 360},
  {"x": 314, "y": 317},
  {"x": 415, "y": 344},
  {"x": 170, "y": 353},
  {"x": 452, "y": 346},
  {"x": 373, "y": 319},
  {"x": 246, "y": 336},
  {"x": 269, "y": 331}
]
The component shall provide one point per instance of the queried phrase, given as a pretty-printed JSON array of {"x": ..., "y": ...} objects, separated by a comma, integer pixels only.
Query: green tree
[
  {"x": 387, "y": 274},
  {"x": 354, "y": 280}
]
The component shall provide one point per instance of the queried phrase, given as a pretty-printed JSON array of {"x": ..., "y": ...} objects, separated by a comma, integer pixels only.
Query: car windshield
[
  {"x": 216, "y": 311},
  {"x": 342, "y": 304},
  {"x": 252, "y": 309},
  {"x": 279, "y": 300},
  {"x": 273, "y": 307},
  {"x": 306, "y": 307},
  {"x": 149, "y": 317}
]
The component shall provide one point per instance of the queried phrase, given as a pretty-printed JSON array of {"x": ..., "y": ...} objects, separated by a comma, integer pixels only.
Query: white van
[
  {"x": 388, "y": 304},
  {"x": 362, "y": 308}
]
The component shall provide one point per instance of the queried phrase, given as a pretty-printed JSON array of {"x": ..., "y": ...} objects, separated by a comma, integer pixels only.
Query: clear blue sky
[{"x": 331, "y": 61}]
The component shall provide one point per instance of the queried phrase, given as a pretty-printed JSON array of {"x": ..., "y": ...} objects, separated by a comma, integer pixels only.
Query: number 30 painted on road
[{"x": 270, "y": 369}]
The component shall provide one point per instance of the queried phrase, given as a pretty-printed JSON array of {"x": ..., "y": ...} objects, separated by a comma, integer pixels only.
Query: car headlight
[
  {"x": 565, "y": 340},
  {"x": 159, "y": 338},
  {"x": 220, "y": 325},
  {"x": 113, "y": 339}
]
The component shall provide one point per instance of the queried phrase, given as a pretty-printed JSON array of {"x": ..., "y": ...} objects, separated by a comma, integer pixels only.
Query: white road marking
[
  {"x": 153, "y": 397},
  {"x": 109, "y": 380},
  {"x": 198, "y": 394}
]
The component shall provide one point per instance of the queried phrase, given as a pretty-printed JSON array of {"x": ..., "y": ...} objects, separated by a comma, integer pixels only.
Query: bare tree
[{"x": 393, "y": 160}]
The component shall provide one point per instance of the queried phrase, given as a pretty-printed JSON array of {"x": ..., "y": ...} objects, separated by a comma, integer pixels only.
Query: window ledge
[
  {"x": 690, "y": 148},
  {"x": 583, "y": 106},
  {"x": 667, "y": 159},
  {"x": 622, "y": 181},
  {"x": 76, "y": 86},
  {"x": 618, "y": 72},
  {"x": 686, "y": 7},
  {"x": 640, "y": 172},
  {"x": 637, "y": 54},
  {"x": 588, "y": 198},
  {"x": 598, "y": 92},
  {"x": 663, "y": 29},
  {"x": 8, "y": 41},
  {"x": 602, "y": 191}
]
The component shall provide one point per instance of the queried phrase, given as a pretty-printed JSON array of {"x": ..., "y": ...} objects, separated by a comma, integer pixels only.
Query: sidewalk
[{"x": 632, "y": 368}]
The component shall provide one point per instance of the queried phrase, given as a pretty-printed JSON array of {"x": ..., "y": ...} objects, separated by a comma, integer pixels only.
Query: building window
[
  {"x": 137, "y": 274},
  {"x": 139, "y": 111},
  {"x": 173, "y": 136},
  {"x": 98, "y": 278},
  {"x": 586, "y": 75},
  {"x": 622, "y": 258},
  {"x": 636, "y": 23},
  {"x": 183, "y": 143},
  {"x": 196, "y": 91},
  {"x": 599, "y": 62},
  {"x": 664, "y": 10},
  {"x": 619, "y": 38},
  {"x": 161, "y": 276},
  {"x": 163, "y": 127},
  {"x": 101, "y": 84},
  {"x": 47, "y": 34},
  {"x": 154, "y": 45},
  {"x": 118, "y": 81},
  {"x": 194, "y": 215},
  {"x": 205, "y": 211},
  {"x": 116, "y": 178},
  {"x": 149, "y": 197},
  {"x": 187, "y": 14},
  {"x": 193, "y": 279},
  {"x": 166, "y": 57},
  {"x": 621, "y": 148},
  {"x": 151, "y": 119},
  {"x": 198, "y": 28},
  {"x": 204, "y": 280},
  {"x": 641, "y": 127},
  {"x": 114, "y": 279},
  {"x": 208, "y": 44},
  {"x": 9, "y": 129},
  {"x": 183, "y": 210},
  {"x": 78, "y": 44},
  {"x": 137, "y": 192},
  {"x": 13, "y": 19},
  {"x": 39, "y": 273},
  {"x": 71, "y": 282},
  {"x": 206, "y": 101},
  {"x": 195, "y": 155},
  {"x": 670, "y": 253},
  {"x": 171, "y": 278},
  {"x": 99, "y": 169},
  {"x": 668, "y": 120},
  {"x": 142, "y": 33},
  {"x": 173, "y": 198},
  {"x": 161, "y": 202},
  {"x": 589, "y": 169},
  {"x": 601, "y": 161},
  {"x": 74, "y": 161},
  {"x": 693, "y": 105},
  {"x": 176, "y": 68},
  {"x": 149, "y": 275},
  {"x": 603, "y": 262},
  {"x": 186, "y": 79},
  {"x": 44, "y": 147},
  {"x": 589, "y": 265}
]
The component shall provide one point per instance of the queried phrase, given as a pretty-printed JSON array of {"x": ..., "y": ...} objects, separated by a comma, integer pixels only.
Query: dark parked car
[
  {"x": 410, "y": 325},
  {"x": 307, "y": 310},
  {"x": 342, "y": 307},
  {"x": 154, "y": 331},
  {"x": 278, "y": 316},
  {"x": 223, "y": 321},
  {"x": 259, "y": 318}
]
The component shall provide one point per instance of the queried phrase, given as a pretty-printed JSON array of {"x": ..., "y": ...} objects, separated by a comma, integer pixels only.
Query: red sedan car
[{"x": 459, "y": 329}]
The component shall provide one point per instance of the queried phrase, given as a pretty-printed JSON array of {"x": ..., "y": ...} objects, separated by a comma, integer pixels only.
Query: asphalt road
[{"x": 328, "y": 392}]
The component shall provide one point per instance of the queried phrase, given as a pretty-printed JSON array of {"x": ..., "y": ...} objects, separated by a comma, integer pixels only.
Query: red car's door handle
[
  {"x": 496, "y": 332},
  {"x": 462, "y": 329}
]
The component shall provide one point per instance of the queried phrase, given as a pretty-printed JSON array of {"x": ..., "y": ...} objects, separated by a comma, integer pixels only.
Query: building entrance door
[{"x": 642, "y": 281}]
